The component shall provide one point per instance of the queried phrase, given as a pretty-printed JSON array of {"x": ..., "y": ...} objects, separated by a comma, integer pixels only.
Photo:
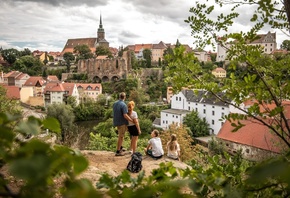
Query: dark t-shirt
[{"x": 119, "y": 109}]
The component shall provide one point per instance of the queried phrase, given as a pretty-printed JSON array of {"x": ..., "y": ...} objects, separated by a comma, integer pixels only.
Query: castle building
[{"x": 91, "y": 42}]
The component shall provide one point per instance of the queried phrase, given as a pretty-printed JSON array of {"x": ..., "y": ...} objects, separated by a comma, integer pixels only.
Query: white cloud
[{"x": 47, "y": 24}]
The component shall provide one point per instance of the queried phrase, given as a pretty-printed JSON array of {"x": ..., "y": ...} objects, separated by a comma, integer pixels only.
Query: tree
[
  {"x": 10, "y": 55},
  {"x": 198, "y": 126},
  {"x": 147, "y": 55},
  {"x": 29, "y": 64},
  {"x": 265, "y": 83},
  {"x": 102, "y": 50},
  {"x": 68, "y": 58},
  {"x": 25, "y": 52},
  {"x": 285, "y": 45},
  {"x": 83, "y": 52},
  {"x": 8, "y": 105},
  {"x": 64, "y": 114},
  {"x": 45, "y": 61}
]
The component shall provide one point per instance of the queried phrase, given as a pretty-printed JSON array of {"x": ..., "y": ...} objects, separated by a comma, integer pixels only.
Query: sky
[{"x": 46, "y": 25}]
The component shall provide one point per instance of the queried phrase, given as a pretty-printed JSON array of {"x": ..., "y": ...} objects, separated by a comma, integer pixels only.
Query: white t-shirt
[
  {"x": 156, "y": 144},
  {"x": 133, "y": 116},
  {"x": 173, "y": 154}
]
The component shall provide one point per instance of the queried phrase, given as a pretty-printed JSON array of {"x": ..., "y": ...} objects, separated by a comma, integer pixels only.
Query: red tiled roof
[
  {"x": 54, "y": 87},
  {"x": 92, "y": 85},
  {"x": 33, "y": 80},
  {"x": 219, "y": 69},
  {"x": 255, "y": 133},
  {"x": 51, "y": 78},
  {"x": 102, "y": 57},
  {"x": 12, "y": 92},
  {"x": 138, "y": 47},
  {"x": 72, "y": 43},
  {"x": 252, "y": 134},
  {"x": 68, "y": 87}
]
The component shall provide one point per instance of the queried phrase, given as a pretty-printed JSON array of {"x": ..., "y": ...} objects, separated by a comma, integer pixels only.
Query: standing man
[{"x": 120, "y": 120}]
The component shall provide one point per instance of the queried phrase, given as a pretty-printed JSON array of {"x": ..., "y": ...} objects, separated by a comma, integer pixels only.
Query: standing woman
[
  {"x": 173, "y": 148},
  {"x": 133, "y": 127}
]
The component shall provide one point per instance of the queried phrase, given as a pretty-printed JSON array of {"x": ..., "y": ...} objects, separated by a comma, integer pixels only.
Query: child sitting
[
  {"x": 154, "y": 148},
  {"x": 173, "y": 149}
]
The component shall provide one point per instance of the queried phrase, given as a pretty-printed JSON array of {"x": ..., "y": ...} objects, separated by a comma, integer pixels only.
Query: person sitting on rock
[
  {"x": 173, "y": 148},
  {"x": 154, "y": 148}
]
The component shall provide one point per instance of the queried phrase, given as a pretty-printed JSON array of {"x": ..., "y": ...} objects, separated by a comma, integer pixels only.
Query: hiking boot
[{"x": 119, "y": 153}]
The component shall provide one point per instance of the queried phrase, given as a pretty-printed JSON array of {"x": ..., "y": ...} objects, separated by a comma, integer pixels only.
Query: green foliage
[
  {"x": 102, "y": 50},
  {"x": 147, "y": 55},
  {"x": 285, "y": 45},
  {"x": 29, "y": 64},
  {"x": 37, "y": 164},
  {"x": 89, "y": 110},
  {"x": 8, "y": 105},
  {"x": 64, "y": 114},
  {"x": 83, "y": 52},
  {"x": 198, "y": 127},
  {"x": 10, "y": 55},
  {"x": 68, "y": 58}
]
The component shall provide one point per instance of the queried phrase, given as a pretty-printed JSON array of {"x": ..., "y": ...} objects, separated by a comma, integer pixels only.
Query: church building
[{"x": 91, "y": 42}]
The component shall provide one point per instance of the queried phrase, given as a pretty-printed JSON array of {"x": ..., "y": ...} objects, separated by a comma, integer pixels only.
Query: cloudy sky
[{"x": 47, "y": 24}]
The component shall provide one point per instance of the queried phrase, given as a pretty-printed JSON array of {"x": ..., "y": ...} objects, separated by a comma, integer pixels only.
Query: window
[
  {"x": 176, "y": 98},
  {"x": 213, "y": 113},
  {"x": 176, "y": 116},
  {"x": 195, "y": 109},
  {"x": 166, "y": 114},
  {"x": 204, "y": 111},
  {"x": 179, "y": 98},
  {"x": 223, "y": 114},
  {"x": 213, "y": 107},
  {"x": 212, "y": 122},
  {"x": 166, "y": 122},
  {"x": 204, "y": 105},
  {"x": 223, "y": 108},
  {"x": 173, "y": 116},
  {"x": 188, "y": 108}
]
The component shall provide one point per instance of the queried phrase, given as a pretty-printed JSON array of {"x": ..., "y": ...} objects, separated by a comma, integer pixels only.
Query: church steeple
[{"x": 101, "y": 31}]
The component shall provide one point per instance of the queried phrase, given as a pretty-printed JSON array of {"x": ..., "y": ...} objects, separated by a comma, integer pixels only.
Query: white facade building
[
  {"x": 186, "y": 101},
  {"x": 267, "y": 41}
]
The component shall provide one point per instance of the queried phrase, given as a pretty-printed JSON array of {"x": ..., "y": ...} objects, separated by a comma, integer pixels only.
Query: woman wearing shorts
[{"x": 133, "y": 127}]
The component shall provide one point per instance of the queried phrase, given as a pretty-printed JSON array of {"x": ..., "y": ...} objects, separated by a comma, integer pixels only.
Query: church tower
[{"x": 101, "y": 31}]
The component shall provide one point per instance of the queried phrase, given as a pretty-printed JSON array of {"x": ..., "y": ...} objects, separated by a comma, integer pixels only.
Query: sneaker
[
  {"x": 119, "y": 153},
  {"x": 123, "y": 149}
]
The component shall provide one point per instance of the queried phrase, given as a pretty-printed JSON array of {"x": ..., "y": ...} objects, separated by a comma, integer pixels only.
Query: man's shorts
[{"x": 122, "y": 130}]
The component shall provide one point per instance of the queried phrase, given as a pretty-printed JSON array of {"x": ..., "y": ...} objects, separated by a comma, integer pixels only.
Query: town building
[
  {"x": 267, "y": 41},
  {"x": 89, "y": 91},
  {"x": 219, "y": 72},
  {"x": 92, "y": 43},
  {"x": 207, "y": 106},
  {"x": 57, "y": 93},
  {"x": 255, "y": 140}
]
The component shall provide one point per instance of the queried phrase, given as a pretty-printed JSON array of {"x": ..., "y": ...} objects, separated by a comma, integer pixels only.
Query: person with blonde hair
[
  {"x": 133, "y": 127},
  {"x": 173, "y": 148},
  {"x": 120, "y": 120},
  {"x": 154, "y": 147}
]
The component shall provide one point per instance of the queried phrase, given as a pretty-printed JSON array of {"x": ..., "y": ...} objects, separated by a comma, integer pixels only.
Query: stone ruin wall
[{"x": 115, "y": 67}]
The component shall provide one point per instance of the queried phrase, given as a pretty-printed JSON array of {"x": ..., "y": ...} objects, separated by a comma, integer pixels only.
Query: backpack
[{"x": 135, "y": 164}]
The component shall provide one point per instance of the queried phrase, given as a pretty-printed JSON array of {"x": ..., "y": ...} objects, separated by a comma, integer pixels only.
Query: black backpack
[{"x": 135, "y": 164}]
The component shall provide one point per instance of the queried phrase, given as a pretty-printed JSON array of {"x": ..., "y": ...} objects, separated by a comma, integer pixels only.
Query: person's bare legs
[
  {"x": 134, "y": 143},
  {"x": 121, "y": 133}
]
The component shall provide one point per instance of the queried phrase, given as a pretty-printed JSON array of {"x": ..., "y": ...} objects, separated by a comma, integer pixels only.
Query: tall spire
[
  {"x": 101, "y": 31},
  {"x": 101, "y": 25}
]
